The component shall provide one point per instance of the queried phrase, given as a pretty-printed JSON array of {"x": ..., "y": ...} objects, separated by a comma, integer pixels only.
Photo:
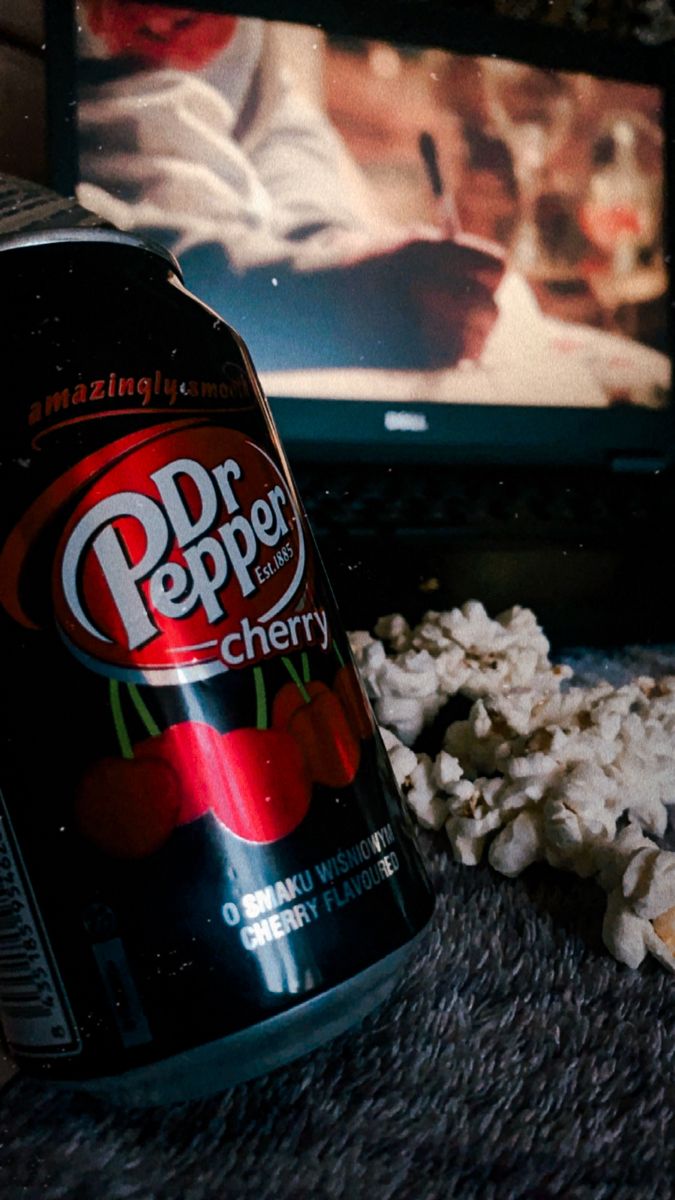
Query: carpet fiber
[{"x": 517, "y": 1059}]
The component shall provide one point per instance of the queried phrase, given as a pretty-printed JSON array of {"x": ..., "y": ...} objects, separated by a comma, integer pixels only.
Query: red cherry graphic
[
  {"x": 266, "y": 788},
  {"x": 128, "y": 808},
  {"x": 347, "y": 687},
  {"x": 193, "y": 751},
  {"x": 255, "y": 781},
  {"x": 287, "y": 702},
  {"x": 321, "y": 728}
]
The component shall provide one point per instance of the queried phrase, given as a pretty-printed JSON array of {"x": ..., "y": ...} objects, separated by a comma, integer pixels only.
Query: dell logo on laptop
[{"x": 402, "y": 421}]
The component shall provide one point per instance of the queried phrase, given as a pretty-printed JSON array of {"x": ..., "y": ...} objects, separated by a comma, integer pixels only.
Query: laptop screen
[{"x": 399, "y": 226}]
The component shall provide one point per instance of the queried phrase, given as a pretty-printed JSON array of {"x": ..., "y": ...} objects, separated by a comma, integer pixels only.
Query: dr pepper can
[{"x": 205, "y": 865}]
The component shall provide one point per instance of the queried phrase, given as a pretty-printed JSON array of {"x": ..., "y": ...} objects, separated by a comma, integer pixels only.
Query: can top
[{"x": 32, "y": 215}]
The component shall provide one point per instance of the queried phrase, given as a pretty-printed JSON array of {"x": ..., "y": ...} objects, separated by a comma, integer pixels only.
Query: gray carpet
[{"x": 517, "y": 1059}]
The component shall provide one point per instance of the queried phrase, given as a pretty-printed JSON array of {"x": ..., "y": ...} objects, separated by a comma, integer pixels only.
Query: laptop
[{"x": 445, "y": 243}]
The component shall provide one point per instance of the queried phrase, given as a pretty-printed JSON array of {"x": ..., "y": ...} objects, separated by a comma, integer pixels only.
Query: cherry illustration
[
  {"x": 256, "y": 781},
  {"x": 266, "y": 788},
  {"x": 193, "y": 751},
  {"x": 347, "y": 686},
  {"x": 313, "y": 714},
  {"x": 128, "y": 807}
]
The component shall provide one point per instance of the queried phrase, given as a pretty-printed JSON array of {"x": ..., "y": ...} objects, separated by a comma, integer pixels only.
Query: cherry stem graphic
[
  {"x": 143, "y": 711},
  {"x": 296, "y": 680},
  {"x": 260, "y": 699},
  {"x": 338, "y": 655},
  {"x": 304, "y": 663},
  {"x": 118, "y": 719}
]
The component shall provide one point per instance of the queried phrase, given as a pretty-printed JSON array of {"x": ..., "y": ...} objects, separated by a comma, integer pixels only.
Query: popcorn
[
  {"x": 542, "y": 768},
  {"x": 452, "y": 670},
  {"x": 447, "y": 770},
  {"x": 519, "y": 845},
  {"x": 467, "y": 839},
  {"x": 612, "y": 857},
  {"x": 404, "y": 689},
  {"x": 430, "y": 809},
  {"x": 394, "y": 629},
  {"x": 622, "y": 932},
  {"x": 649, "y": 882},
  {"x": 403, "y": 715},
  {"x": 579, "y": 811},
  {"x": 664, "y": 928},
  {"x": 629, "y": 937},
  {"x": 403, "y": 760},
  {"x": 659, "y": 948}
]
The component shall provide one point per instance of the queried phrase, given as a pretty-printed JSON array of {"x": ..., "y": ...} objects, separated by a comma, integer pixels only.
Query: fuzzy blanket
[{"x": 516, "y": 1059}]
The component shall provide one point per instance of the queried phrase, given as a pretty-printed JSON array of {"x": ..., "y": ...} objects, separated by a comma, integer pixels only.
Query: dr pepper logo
[{"x": 183, "y": 556}]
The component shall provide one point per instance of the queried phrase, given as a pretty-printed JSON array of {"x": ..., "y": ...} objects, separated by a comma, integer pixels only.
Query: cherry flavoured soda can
[{"x": 205, "y": 867}]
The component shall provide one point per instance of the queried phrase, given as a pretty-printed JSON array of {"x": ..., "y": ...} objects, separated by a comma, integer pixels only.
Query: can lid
[{"x": 32, "y": 215}]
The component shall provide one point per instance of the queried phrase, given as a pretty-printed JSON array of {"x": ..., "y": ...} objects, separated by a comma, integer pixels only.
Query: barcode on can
[{"x": 36, "y": 1016}]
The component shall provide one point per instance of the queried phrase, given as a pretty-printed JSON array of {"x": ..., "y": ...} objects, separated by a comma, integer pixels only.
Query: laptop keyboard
[{"x": 446, "y": 502}]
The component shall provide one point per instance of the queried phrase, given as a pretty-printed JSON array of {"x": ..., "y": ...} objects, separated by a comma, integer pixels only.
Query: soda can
[{"x": 206, "y": 868}]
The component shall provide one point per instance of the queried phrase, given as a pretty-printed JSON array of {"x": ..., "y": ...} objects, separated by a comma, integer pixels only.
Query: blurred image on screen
[{"x": 385, "y": 222}]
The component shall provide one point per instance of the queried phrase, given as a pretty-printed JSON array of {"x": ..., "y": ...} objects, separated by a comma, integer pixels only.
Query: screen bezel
[{"x": 468, "y": 433}]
